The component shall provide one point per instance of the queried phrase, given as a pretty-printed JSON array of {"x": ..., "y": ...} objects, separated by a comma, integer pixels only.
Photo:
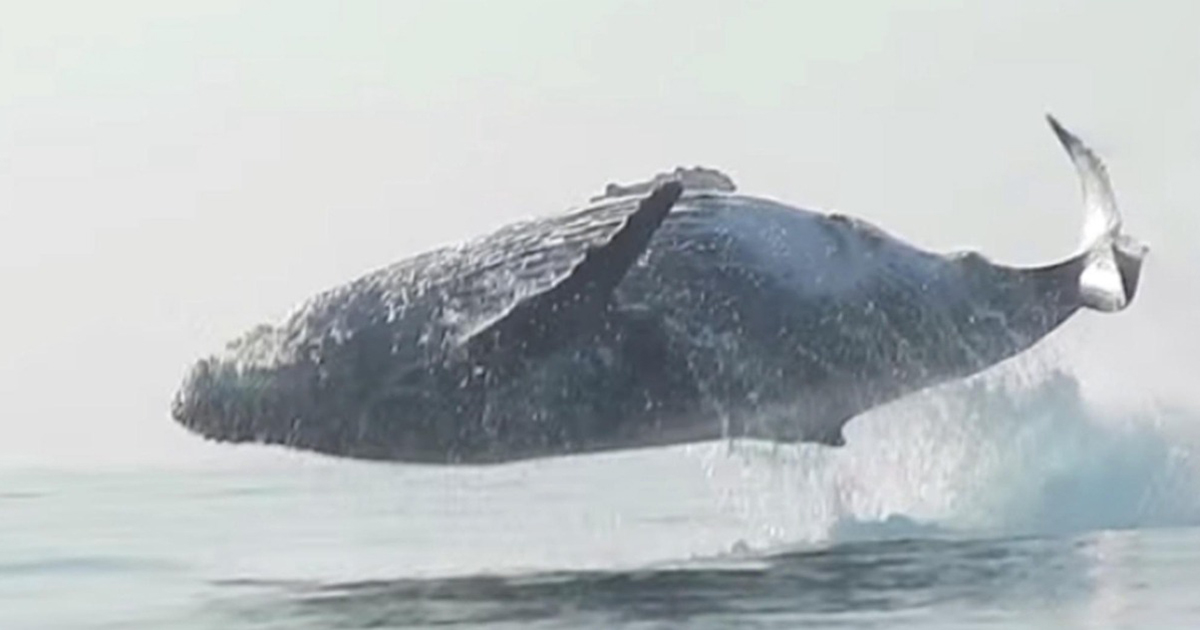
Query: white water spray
[{"x": 1016, "y": 451}]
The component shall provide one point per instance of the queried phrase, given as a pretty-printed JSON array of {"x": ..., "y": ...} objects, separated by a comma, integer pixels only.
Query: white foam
[{"x": 1017, "y": 451}]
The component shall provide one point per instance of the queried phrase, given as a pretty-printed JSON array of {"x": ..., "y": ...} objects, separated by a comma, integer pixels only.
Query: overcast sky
[{"x": 174, "y": 173}]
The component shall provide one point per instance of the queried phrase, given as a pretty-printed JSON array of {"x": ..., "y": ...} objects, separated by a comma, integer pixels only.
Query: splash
[{"x": 1018, "y": 451}]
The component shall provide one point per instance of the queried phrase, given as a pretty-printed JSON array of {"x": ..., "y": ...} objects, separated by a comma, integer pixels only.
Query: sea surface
[{"x": 993, "y": 504}]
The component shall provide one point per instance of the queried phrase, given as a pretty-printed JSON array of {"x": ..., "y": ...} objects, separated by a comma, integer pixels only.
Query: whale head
[{"x": 254, "y": 391}]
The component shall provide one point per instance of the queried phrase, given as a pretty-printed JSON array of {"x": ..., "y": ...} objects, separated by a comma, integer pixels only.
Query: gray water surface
[{"x": 635, "y": 540}]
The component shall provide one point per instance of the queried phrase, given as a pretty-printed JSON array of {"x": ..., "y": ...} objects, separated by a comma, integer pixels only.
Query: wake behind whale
[{"x": 669, "y": 312}]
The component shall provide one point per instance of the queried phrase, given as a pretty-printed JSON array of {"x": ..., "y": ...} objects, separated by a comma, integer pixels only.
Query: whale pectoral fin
[{"x": 575, "y": 304}]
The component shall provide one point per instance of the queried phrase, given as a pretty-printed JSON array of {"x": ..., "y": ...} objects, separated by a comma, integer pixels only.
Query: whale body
[{"x": 672, "y": 311}]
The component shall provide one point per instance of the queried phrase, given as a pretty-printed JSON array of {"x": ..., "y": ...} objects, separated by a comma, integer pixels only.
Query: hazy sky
[{"x": 171, "y": 175}]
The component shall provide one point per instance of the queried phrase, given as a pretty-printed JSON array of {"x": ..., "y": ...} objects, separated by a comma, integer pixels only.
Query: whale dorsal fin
[
  {"x": 697, "y": 178},
  {"x": 544, "y": 321}
]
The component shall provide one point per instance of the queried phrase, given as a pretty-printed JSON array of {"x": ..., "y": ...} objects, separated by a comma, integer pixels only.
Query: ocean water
[{"x": 1002, "y": 502}]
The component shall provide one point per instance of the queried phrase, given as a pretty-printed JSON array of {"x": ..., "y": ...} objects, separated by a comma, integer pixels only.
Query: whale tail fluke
[{"x": 1112, "y": 260}]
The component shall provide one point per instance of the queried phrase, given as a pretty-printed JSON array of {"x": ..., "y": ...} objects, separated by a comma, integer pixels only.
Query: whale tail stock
[{"x": 1112, "y": 260}]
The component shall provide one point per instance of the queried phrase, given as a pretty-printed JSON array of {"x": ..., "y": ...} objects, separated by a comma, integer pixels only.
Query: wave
[{"x": 1019, "y": 451}]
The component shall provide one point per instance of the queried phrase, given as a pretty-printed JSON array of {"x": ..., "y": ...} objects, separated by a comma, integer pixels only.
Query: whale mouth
[
  {"x": 226, "y": 402},
  {"x": 211, "y": 403}
]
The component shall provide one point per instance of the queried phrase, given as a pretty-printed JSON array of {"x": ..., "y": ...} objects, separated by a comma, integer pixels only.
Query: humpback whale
[{"x": 670, "y": 311}]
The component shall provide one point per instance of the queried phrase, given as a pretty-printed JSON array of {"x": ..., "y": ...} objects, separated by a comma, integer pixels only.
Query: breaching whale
[{"x": 673, "y": 311}]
